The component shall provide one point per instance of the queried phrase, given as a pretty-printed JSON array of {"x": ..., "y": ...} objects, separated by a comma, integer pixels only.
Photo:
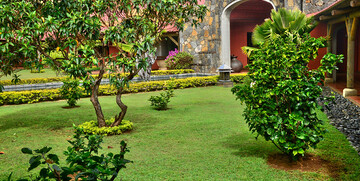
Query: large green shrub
[{"x": 281, "y": 93}]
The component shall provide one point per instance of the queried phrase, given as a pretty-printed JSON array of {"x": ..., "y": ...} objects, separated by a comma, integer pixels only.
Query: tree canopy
[{"x": 79, "y": 30}]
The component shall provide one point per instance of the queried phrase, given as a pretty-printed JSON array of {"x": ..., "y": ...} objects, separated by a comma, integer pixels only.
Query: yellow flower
[{"x": 57, "y": 48}]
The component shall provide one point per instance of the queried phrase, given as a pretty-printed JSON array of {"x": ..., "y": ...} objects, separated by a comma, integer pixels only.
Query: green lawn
[
  {"x": 25, "y": 74},
  {"x": 202, "y": 137}
]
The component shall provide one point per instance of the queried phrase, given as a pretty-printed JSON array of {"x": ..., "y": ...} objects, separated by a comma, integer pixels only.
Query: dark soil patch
[
  {"x": 309, "y": 163},
  {"x": 70, "y": 107}
]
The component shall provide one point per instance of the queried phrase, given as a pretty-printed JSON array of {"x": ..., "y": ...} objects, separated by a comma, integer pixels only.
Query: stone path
[{"x": 345, "y": 116}]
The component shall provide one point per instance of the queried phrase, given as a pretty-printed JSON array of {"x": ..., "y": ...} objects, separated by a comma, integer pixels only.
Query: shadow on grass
[
  {"x": 54, "y": 117},
  {"x": 245, "y": 145}
]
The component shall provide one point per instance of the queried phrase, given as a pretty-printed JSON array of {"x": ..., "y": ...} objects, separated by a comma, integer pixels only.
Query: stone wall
[
  {"x": 204, "y": 41},
  {"x": 312, "y": 6}
]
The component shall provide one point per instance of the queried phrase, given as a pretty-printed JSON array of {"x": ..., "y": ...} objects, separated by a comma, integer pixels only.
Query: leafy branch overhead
[{"x": 82, "y": 30}]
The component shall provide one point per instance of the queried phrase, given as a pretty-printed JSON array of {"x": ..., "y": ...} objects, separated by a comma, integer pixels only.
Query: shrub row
[
  {"x": 33, "y": 96},
  {"x": 238, "y": 78},
  {"x": 59, "y": 79}
]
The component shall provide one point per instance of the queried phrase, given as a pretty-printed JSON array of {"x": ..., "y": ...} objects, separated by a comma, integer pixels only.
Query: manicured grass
[
  {"x": 201, "y": 137},
  {"x": 25, "y": 74}
]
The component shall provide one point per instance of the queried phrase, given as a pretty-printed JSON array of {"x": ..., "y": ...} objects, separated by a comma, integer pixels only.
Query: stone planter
[{"x": 161, "y": 64}]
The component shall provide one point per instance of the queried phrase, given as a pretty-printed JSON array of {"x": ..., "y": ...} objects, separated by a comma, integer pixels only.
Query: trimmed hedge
[
  {"x": 238, "y": 78},
  {"x": 33, "y": 96},
  {"x": 91, "y": 127},
  {"x": 60, "y": 79}
]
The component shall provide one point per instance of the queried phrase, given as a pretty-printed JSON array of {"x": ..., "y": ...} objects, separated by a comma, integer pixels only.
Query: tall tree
[{"x": 81, "y": 29}]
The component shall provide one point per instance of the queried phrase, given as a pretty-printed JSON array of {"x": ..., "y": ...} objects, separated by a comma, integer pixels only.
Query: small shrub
[
  {"x": 160, "y": 102},
  {"x": 37, "y": 71},
  {"x": 92, "y": 127},
  {"x": 71, "y": 91},
  {"x": 83, "y": 158},
  {"x": 16, "y": 79},
  {"x": 179, "y": 60}
]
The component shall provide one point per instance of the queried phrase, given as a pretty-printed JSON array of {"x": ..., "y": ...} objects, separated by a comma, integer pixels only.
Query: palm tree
[{"x": 281, "y": 21}]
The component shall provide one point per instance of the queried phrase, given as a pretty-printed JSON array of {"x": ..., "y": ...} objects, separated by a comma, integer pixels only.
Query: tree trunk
[
  {"x": 123, "y": 107},
  {"x": 94, "y": 98},
  {"x": 145, "y": 74}
]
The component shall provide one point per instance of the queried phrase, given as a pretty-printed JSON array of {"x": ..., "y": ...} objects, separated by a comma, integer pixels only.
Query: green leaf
[
  {"x": 26, "y": 150},
  {"x": 54, "y": 158},
  {"x": 301, "y": 151},
  {"x": 44, "y": 172},
  {"x": 34, "y": 165},
  {"x": 43, "y": 150},
  {"x": 57, "y": 168},
  {"x": 34, "y": 159}
]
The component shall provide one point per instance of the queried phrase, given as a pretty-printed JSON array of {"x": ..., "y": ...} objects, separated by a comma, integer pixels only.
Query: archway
[{"x": 245, "y": 12}]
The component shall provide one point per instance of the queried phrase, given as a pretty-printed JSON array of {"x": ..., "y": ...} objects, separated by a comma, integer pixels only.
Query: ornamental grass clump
[{"x": 281, "y": 94}]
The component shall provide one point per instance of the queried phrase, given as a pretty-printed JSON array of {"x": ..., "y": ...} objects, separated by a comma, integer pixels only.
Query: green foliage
[
  {"x": 161, "y": 102},
  {"x": 59, "y": 79},
  {"x": 37, "y": 71},
  {"x": 76, "y": 28},
  {"x": 71, "y": 91},
  {"x": 281, "y": 94},
  {"x": 91, "y": 127},
  {"x": 283, "y": 20},
  {"x": 238, "y": 78},
  {"x": 33, "y": 96},
  {"x": 16, "y": 79},
  {"x": 83, "y": 158},
  {"x": 181, "y": 60}
]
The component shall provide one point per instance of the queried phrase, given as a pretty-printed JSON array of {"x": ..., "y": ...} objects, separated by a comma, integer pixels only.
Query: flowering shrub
[{"x": 178, "y": 60}]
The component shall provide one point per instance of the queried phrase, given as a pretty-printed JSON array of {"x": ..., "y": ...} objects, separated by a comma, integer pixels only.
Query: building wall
[
  {"x": 204, "y": 41},
  {"x": 312, "y": 6},
  {"x": 239, "y": 39},
  {"x": 319, "y": 31}
]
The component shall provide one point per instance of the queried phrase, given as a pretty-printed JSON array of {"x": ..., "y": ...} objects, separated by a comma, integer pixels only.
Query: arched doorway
[{"x": 237, "y": 20}]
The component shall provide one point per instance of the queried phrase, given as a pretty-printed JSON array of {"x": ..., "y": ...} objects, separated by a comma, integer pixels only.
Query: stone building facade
[{"x": 211, "y": 41}]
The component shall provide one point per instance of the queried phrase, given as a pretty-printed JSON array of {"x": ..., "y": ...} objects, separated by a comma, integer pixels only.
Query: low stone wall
[{"x": 54, "y": 85}]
